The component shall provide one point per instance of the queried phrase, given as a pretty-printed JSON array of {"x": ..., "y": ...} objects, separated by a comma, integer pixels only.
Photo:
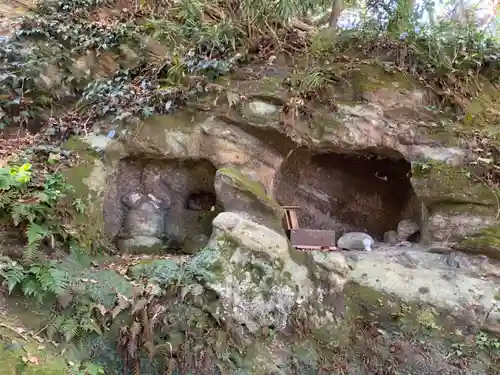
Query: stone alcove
[
  {"x": 363, "y": 191},
  {"x": 158, "y": 206}
]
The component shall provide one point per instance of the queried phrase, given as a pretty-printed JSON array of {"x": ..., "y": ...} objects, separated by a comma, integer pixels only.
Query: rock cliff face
[
  {"x": 211, "y": 183},
  {"x": 365, "y": 166},
  {"x": 205, "y": 187}
]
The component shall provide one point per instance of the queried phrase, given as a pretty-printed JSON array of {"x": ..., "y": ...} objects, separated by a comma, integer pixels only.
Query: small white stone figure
[
  {"x": 368, "y": 244},
  {"x": 355, "y": 241}
]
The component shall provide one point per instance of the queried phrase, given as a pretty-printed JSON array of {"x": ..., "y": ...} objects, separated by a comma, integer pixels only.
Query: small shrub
[{"x": 32, "y": 204}]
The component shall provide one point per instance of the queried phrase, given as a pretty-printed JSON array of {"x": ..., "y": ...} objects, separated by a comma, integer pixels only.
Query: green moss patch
[
  {"x": 372, "y": 75},
  {"x": 89, "y": 219},
  {"x": 435, "y": 181},
  {"x": 20, "y": 355},
  {"x": 163, "y": 271},
  {"x": 485, "y": 242},
  {"x": 240, "y": 181}
]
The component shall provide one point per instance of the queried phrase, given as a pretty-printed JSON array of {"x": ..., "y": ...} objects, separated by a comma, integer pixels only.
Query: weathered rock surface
[
  {"x": 365, "y": 167},
  {"x": 258, "y": 283},
  {"x": 370, "y": 169},
  {"x": 355, "y": 241},
  {"x": 407, "y": 228},
  {"x": 415, "y": 276}
]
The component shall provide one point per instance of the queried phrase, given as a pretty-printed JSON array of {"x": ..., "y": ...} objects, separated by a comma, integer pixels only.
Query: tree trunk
[
  {"x": 462, "y": 15},
  {"x": 400, "y": 19},
  {"x": 337, "y": 8}
]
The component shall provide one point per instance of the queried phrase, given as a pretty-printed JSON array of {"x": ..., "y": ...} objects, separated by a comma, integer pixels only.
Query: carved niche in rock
[
  {"x": 348, "y": 192},
  {"x": 162, "y": 205}
]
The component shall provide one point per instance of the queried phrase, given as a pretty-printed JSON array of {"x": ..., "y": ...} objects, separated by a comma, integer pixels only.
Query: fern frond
[
  {"x": 121, "y": 306},
  {"x": 24, "y": 212},
  {"x": 69, "y": 329},
  {"x": 57, "y": 281},
  {"x": 32, "y": 253},
  {"x": 139, "y": 305},
  {"x": 31, "y": 288},
  {"x": 89, "y": 325},
  {"x": 135, "y": 330},
  {"x": 14, "y": 276},
  {"x": 137, "y": 367}
]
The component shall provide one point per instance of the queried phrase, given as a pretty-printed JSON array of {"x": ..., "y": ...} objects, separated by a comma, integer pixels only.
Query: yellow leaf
[{"x": 468, "y": 118}]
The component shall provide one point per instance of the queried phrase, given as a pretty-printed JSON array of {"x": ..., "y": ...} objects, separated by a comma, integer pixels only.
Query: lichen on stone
[{"x": 88, "y": 178}]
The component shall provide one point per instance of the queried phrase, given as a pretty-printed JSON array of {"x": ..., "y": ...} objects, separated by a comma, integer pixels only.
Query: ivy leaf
[
  {"x": 36, "y": 233},
  {"x": 147, "y": 112}
]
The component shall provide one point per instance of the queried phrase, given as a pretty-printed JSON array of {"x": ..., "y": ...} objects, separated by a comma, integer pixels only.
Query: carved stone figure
[{"x": 144, "y": 224}]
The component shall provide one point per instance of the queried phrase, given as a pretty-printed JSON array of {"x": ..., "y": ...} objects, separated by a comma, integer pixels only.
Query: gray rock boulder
[
  {"x": 355, "y": 241},
  {"x": 257, "y": 281},
  {"x": 407, "y": 228},
  {"x": 391, "y": 237}
]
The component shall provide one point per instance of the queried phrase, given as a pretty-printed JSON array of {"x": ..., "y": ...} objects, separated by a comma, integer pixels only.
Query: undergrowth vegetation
[
  {"x": 71, "y": 63},
  {"x": 122, "y": 59},
  {"x": 31, "y": 201}
]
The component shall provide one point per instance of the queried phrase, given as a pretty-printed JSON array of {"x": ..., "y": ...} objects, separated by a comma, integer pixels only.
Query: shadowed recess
[
  {"x": 360, "y": 191},
  {"x": 161, "y": 205}
]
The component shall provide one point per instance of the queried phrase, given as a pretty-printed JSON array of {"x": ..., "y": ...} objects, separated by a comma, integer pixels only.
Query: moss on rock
[
  {"x": 245, "y": 184},
  {"x": 485, "y": 242},
  {"x": 23, "y": 355},
  {"x": 163, "y": 271},
  {"x": 436, "y": 182},
  {"x": 371, "y": 76},
  {"x": 239, "y": 193},
  {"x": 390, "y": 312},
  {"x": 88, "y": 179}
]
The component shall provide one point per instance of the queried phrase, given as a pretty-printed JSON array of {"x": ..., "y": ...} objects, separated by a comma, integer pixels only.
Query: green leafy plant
[
  {"x": 85, "y": 368},
  {"x": 32, "y": 204},
  {"x": 77, "y": 323},
  {"x": 488, "y": 343},
  {"x": 50, "y": 282},
  {"x": 41, "y": 281}
]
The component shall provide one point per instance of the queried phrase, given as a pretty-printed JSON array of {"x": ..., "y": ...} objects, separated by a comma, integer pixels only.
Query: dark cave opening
[
  {"x": 201, "y": 201},
  {"x": 347, "y": 192}
]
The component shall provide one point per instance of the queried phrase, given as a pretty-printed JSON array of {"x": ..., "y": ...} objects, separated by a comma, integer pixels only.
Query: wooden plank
[
  {"x": 286, "y": 219},
  {"x": 292, "y": 215},
  {"x": 313, "y": 239}
]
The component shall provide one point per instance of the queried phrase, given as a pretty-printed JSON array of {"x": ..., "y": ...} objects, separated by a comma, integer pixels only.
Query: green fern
[
  {"x": 32, "y": 204},
  {"x": 14, "y": 275},
  {"x": 40, "y": 281},
  {"x": 52, "y": 280},
  {"x": 32, "y": 288},
  {"x": 32, "y": 254},
  {"x": 36, "y": 233},
  {"x": 22, "y": 212},
  {"x": 69, "y": 329}
]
